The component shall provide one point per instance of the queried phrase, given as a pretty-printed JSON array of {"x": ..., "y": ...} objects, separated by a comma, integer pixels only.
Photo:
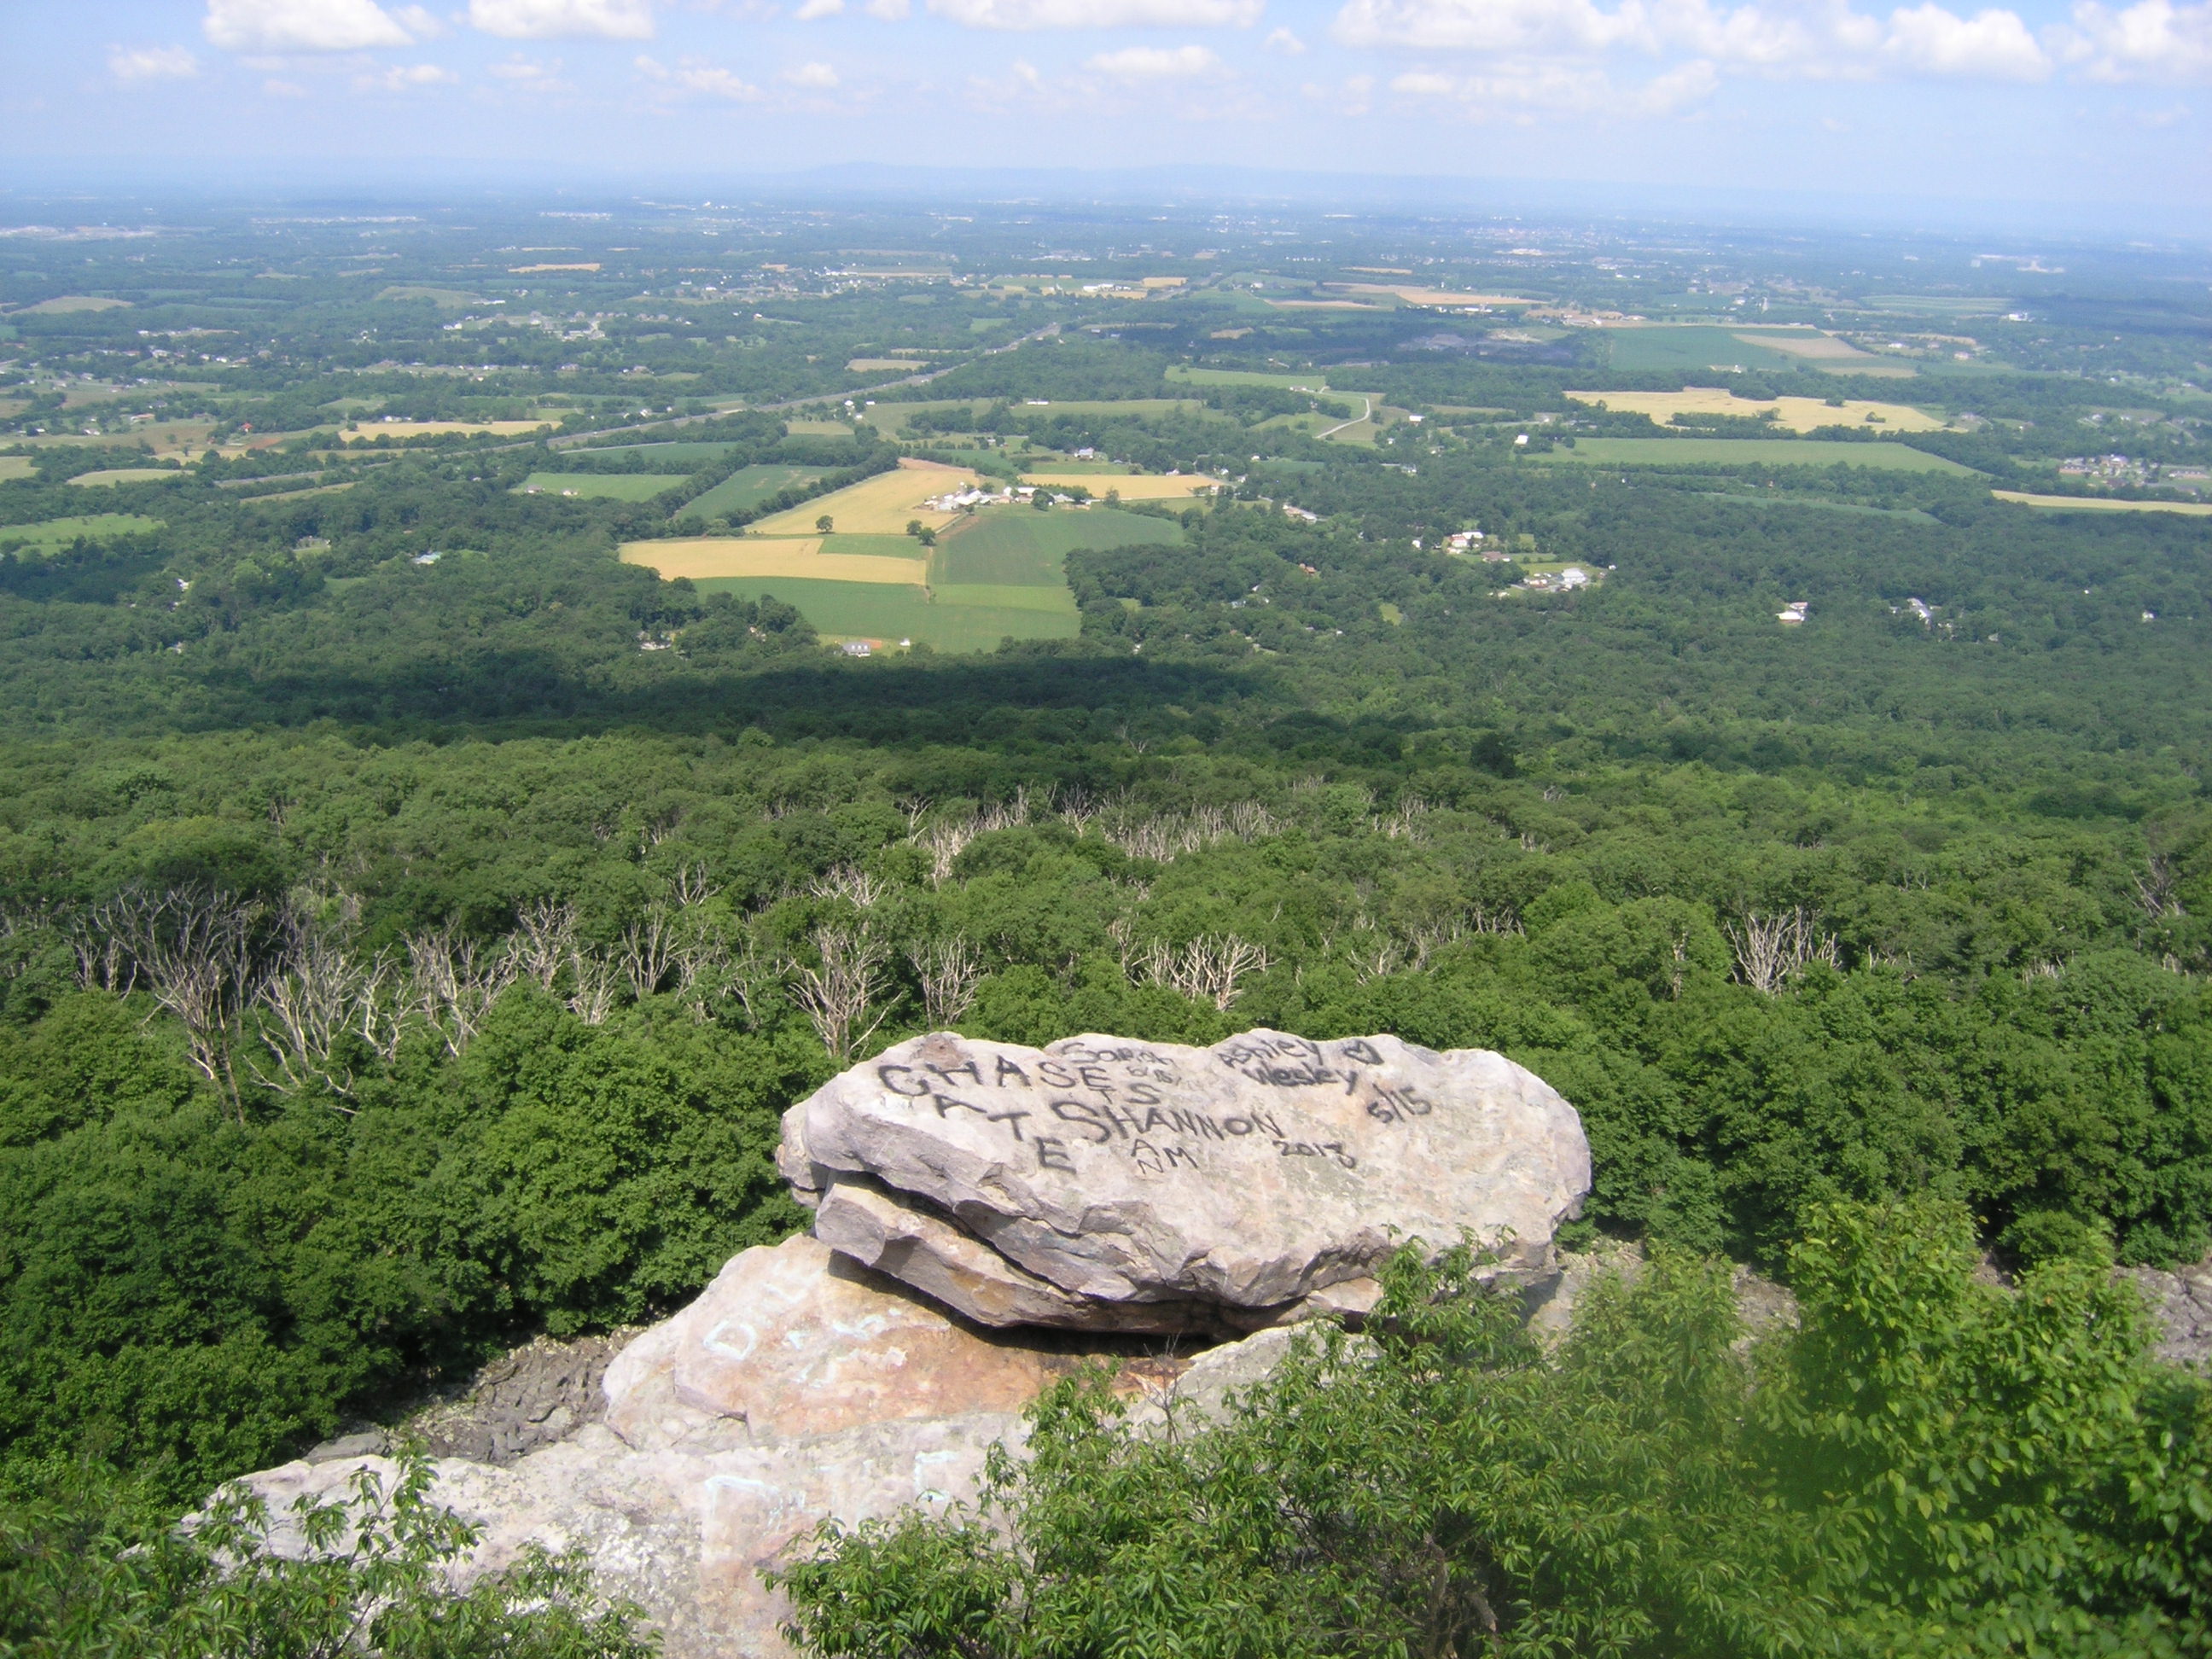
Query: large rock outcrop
[
  {"x": 987, "y": 1217},
  {"x": 1104, "y": 1184},
  {"x": 798, "y": 1386}
]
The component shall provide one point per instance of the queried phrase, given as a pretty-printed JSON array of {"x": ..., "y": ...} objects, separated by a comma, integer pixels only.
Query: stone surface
[
  {"x": 1139, "y": 1175},
  {"x": 795, "y": 1340},
  {"x": 2181, "y": 1303},
  {"x": 798, "y": 1386}
]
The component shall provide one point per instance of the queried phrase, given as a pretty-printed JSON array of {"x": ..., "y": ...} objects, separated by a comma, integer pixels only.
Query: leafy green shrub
[{"x": 1924, "y": 1464}]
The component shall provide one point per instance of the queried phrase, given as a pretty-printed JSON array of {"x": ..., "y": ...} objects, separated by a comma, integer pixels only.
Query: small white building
[{"x": 1791, "y": 613}]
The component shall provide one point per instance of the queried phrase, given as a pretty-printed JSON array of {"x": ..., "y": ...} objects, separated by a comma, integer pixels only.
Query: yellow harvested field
[
  {"x": 880, "y": 506},
  {"x": 1433, "y": 296},
  {"x": 1132, "y": 487},
  {"x": 396, "y": 429},
  {"x": 2103, "y": 504},
  {"x": 1322, "y": 305},
  {"x": 758, "y": 556},
  {"x": 1807, "y": 342},
  {"x": 881, "y": 365},
  {"x": 1794, "y": 414}
]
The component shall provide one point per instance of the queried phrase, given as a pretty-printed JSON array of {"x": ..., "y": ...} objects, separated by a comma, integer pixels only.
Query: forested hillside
[{"x": 415, "y": 911}]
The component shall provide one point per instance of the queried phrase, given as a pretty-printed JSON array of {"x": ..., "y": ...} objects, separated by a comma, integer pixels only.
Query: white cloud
[
  {"x": 152, "y": 63},
  {"x": 419, "y": 21},
  {"x": 1284, "y": 41},
  {"x": 811, "y": 10},
  {"x": 1489, "y": 25},
  {"x": 405, "y": 77},
  {"x": 696, "y": 77},
  {"x": 1099, "y": 14},
  {"x": 891, "y": 11},
  {"x": 1813, "y": 39},
  {"x": 1992, "y": 43},
  {"x": 528, "y": 75},
  {"x": 1678, "y": 89},
  {"x": 1522, "y": 88},
  {"x": 301, "y": 26},
  {"x": 2151, "y": 40},
  {"x": 1157, "y": 63},
  {"x": 815, "y": 77},
  {"x": 545, "y": 19}
]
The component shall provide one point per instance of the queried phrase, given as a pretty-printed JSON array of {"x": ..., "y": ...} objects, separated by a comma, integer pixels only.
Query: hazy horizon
[{"x": 2067, "y": 119}]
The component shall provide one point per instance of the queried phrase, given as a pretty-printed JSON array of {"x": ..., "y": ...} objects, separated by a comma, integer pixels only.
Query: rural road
[
  {"x": 1366, "y": 412},
  {"x": 575, "y": 438}
]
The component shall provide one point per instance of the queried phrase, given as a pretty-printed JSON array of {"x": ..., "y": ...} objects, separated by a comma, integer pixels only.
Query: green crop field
[
  {"x": 1018, "y": 546},
  {"x": 52, "y": 534},
  {"x": 15, "y": 466},
  {"x": 952, "y": 618},
  {"x": 603, "y": 486},
  {"x": 747, "y": 488},
  {"x": 1751, "y": 452},
  {"x": 1183, "y": 374},
  {"x": 875, "y": 547}
]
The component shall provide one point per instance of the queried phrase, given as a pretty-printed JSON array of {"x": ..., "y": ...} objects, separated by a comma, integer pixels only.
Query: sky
[{"x": 2063, "y": 107}]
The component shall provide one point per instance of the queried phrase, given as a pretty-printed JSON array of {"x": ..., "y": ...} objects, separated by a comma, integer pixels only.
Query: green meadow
[
  {"x": 1020, "y": 546},
  {"x": 747, "y": 488},
  {"x": 1751, "y": 452},
  {"x": 50, "y": 535},
  {"x": 949, "y": 618}
]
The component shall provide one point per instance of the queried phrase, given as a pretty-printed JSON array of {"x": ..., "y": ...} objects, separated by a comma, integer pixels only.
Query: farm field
[
  {"x": 1817, "y": 346},
  {"x": 1122, "y": 406},
  {"x": 952, "y": 619},
  {"x": 1132, "y": 486},
  {"x": 1307, "y": 380},
  {"x": 760, "y": 557},
  {"x": 52, "y": 534},
  {"x": 1751, "y": 452},
  {"x": 446, "y": 299},
  {"x": 880, "y": 506},
  {"x": 1703, "y": 345},
  {"x": 397, "y": 430},
  {"x": 1407, "y": 293},
  {"x": 603, "y": 486},
  {"x": 1017, "y": 546},
  {"x": 122, "y": 475},
  {"x": 748, "y": 486},
  {"x": 15, "y": 466},
  {"x": 1775, "y": 499},
  {"x": 817, "y": 429},
  {"x": 1796, "y": 413},
  {"x": 2099, "y": 504}
]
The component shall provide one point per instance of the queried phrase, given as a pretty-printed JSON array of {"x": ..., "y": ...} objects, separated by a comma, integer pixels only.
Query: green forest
[{"x": 414, "y": 919}]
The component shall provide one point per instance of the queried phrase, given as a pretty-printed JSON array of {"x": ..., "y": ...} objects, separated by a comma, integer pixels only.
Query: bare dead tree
[
  {"x": 850, "y": 883},
  {"x": 1209, "y": 969},
  {"x": 691, "y": 889},
  {"x": 592, "y": 982},
  {"x": 950, "y": 970},
  {"x": 650, "y": 947},
  {"x": 838, "y": 993},
  {"x": 1771, "y": 949},
  {"x": 1400, "y": 823},
  {"x": 1372, "y": 957},
  {"x": 544, "y": 934},
  {"x": 193, "y": 948},
  {"x": 453, "y": 984},
  {"x": 324, "y": 995},
  {"x": 2154, "y": 890}
]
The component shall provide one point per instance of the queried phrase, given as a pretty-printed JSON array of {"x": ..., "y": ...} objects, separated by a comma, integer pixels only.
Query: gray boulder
[{"x": 1100, "y": 1183}]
